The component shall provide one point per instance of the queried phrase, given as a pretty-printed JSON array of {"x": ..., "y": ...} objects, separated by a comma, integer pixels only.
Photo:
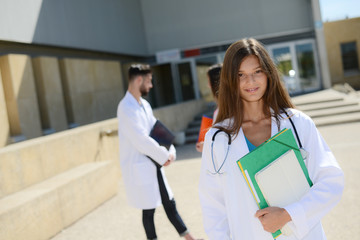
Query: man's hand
[
  {"x": 171, "y": 159},
  {"x": 273, "y": 218}
]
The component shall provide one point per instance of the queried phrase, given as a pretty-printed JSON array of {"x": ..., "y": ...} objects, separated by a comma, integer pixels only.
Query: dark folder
[{"x": 163, "y": 136}]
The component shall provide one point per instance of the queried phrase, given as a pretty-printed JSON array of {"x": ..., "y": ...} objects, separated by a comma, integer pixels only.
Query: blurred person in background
[
  {"x": 213, "y": 75},
  {"x": 145, "y": 183}
]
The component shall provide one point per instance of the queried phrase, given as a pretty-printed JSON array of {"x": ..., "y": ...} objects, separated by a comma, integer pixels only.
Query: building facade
[
  {"x": 89, "y": 44},
  {"x": 343, "y": 49}
]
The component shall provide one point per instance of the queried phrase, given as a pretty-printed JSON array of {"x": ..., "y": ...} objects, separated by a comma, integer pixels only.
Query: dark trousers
[{"x": 170, "y": 209}]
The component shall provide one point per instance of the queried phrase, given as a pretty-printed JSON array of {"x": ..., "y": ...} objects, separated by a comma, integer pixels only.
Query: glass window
[
  {"x": 282, "y": 57},
  {"x": 297, "y": 63},
  {"x": 305, "y": 57},
  {"x": 283, "y": 60},
  {"x": 306, "y": 65},
  {"x": 349, "y": 57}
]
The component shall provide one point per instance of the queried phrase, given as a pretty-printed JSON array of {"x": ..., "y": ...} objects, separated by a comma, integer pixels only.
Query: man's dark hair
[
  {"x": 138, "y": 69},
  {"x": 214, "y": 77}
]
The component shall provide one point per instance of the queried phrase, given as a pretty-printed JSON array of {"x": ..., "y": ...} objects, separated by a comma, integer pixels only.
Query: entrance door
[
  {"x": 163, "y": 92},
  {"x": 298, "y": 63},
  {"x": 186, "y": 86}
]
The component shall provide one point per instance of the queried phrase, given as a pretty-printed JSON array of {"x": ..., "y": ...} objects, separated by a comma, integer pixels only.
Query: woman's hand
[
  {"x": 273, "y": 218},
  {"x": 199, "y": 146}
]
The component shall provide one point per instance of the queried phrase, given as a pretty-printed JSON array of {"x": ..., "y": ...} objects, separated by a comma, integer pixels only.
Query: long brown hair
[{"x": 229, "y": 99}]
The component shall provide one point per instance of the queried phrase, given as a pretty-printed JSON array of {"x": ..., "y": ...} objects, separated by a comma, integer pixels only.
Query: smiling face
[{"x": 253, "y": 81}]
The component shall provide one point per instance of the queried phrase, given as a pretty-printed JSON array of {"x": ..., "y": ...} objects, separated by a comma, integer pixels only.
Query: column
[
  {"x": 321, "y": 44},
  {"x": 50, "y": 94},
  {"x": 20, "y": 96},
  {"x": 4, "y": 122}
]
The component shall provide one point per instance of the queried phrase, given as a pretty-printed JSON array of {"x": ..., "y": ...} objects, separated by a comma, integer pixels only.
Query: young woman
[{"x": 253, "y": 106}]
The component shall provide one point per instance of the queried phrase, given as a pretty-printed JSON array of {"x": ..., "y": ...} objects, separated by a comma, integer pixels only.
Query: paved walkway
[{"x": 114, "y": 220}]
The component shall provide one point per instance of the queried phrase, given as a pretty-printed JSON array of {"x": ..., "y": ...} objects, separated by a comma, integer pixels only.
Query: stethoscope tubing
[
  {"x": 212, "y": 152},
  {"x": 229, "y": 143}
]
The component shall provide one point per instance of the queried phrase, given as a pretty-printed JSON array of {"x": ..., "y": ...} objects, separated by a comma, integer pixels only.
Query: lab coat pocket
[{"x": 144, "y": 173}]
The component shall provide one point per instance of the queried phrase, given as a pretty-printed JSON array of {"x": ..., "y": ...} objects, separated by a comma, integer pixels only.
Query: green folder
[{"x": 263, "y": 156}]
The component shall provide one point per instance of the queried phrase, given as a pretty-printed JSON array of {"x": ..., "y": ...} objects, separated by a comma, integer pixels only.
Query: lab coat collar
[
  {"x": 132, "y": 100},
  {"x": 240, "y": 139},
  {"x": 274, "y": 126}
]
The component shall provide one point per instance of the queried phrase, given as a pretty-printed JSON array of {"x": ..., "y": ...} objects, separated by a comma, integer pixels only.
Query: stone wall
[
  {"x": 92, "y": 89},
  {"x": 44, "y": 95}
]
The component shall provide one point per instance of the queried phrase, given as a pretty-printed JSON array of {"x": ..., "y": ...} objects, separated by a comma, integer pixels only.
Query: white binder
[{"x": 283, "y": 182}]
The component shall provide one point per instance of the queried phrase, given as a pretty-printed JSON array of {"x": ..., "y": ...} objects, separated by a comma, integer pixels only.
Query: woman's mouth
[{"x": 252, "y": 90}]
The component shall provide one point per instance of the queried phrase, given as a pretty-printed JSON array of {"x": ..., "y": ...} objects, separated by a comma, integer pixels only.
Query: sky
[{"x": 332, "y": 10}]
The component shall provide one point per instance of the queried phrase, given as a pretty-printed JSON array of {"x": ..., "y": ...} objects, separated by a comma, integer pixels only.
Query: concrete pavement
[{"x": 115, "y": 220}]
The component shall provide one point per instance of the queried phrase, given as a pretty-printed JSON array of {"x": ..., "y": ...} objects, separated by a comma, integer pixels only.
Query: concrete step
[
  {"x": 44, "y": 209},
  {"x": 325, "y": 100},
  {"x": 192, "y": 131},
  {"x": 318, "y": 97},
  {"x": 333, "y": 111},
  {"x": 33, "y": 161},
  {"x": 192, "y": 139},
  {"x": 311, "y": 101},
  {"x": 195, "y": 123},
  {"x": 199, "y": 116},
  {"x": 337, "y": 119},
  {"x": 327, "y": 105}
]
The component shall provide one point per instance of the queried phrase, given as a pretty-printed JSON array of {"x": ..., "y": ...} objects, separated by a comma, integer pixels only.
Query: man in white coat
[{"x": 145, "y": 183}]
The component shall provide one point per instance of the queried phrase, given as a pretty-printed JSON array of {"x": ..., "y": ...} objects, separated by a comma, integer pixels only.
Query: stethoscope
[
  {"x": 217, "y": 171},
  {"x": 303, "y": 152}
]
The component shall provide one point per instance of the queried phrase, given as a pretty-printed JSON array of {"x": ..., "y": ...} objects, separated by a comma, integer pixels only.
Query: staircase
[
  {"x": 48, "y": 183},
  {"x": 192, "y": 131},
  {"x": 327, "y": 107}
]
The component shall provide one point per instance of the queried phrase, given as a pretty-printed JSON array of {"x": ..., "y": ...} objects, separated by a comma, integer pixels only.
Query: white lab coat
[
  {"x": 138, "y": 171},
  {"x": 228, "y": 206}
]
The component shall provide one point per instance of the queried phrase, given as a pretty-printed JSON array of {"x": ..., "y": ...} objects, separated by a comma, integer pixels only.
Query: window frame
[{"x": 356, "y": 69}]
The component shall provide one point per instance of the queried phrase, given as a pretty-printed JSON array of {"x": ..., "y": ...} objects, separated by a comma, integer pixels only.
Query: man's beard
[{"x": 144, "y": 92}]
